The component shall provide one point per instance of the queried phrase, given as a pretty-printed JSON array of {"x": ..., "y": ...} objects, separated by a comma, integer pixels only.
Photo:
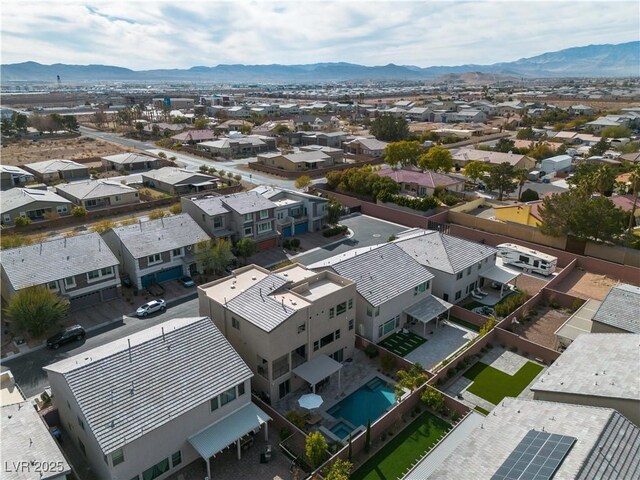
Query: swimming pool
[
  {"x": 369, "y": 402},
  {"x": 341, "y": 430}
]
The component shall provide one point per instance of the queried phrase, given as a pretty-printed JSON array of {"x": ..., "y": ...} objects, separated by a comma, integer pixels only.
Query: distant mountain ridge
[{"x": 619, "y": 60}]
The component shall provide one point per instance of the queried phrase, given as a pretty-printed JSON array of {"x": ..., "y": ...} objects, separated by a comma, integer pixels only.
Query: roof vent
[
  {"x": 233, "y": 287},
  {"x": 253, "y": 277}
]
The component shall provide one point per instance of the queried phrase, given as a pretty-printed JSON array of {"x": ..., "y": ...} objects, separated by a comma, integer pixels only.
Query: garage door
[
  {"x": 83, "y": 301},
  {"x": 109, "y": 293},
  {"x": 147, "y": 280},
  {"x": 267, "y": 244},
  {"x": 286, "y": 232},
  {"x": 170, "y": 274},
  {"x": 302, "y": 228}
]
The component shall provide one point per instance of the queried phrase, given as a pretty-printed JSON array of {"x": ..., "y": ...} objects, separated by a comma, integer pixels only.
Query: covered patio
[
  {"x": 497, "y": 286},
  {"x": 317, "y": 369},
  {"x": 246, "y": 421},
  {"x": 428, "y": 309}
]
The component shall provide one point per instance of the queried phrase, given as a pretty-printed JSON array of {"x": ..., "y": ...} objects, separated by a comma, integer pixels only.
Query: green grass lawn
[
  {"x": 473, "y": 304},
  {"x": 465, "y": 324},
  {"x": 403, "y": 450},
  {"x": 481, "y": 410},
  {"x": 493, "y": 385},
  {"x": 402, "y": 343}
]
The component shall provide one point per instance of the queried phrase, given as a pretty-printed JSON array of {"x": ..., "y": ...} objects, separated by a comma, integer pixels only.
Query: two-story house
[
  {"x": 33, "y": 204},
  {"x": 93, "y": 194},
  {"x": 280, "y": 321},
  {"x": 144, "y": 406},
  {"x": 392, "y": 287},
  {"x": 81, "y": 268},
  {"x": 159, "y": 250},
  {"x": 236, "y": 216},
  {"x": 458, "y": 265}
]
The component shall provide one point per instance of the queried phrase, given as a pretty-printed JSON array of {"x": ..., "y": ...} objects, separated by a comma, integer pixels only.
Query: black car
[{"x": 66, "y": 335}]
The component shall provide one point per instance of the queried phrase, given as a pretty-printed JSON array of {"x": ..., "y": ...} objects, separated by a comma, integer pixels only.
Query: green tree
[
  {"x": 70, "y": 122},
  {"x": 599, "y": 148},
  {"x": 21, "y": 122},
  {"x": 200, "y": 123},
  {"x": 140, "y": 129},
  {"x": 389, "y": 129},
  {"x": 437, "y": 159},
  {"x": 433, "y": 399},
  {"x": 411, "y": 379},
  {"x": 367, "y": 437},
  {"x": 475, "y": 170},
  {"x": 521, "y": 176},
  {"x": 402, "y": 153},
  {"x": 36, "y": 309},
  {"x": 78, "y": 211},
  {"x": 303, "y": 182},
  {"x": 634, "y": 180},
  {"x": 245, "y": 129},
  {"x": 631, "y": 147},
  {"x": 315, "y": 448},
  {"x": 155, "y": 130},
  {"x": 501, "y": 178},
  {"x": 334, "y": 211},
  {"x": 216, "y": 256},
  {"x": 529, "y": 196},
  {"x": 541, "y": 151},
  {"x": 504, "y": 145},
  {"x": 525, "y": 134},
  {"x": 604, "y": 179},
  {"x": 281, "y": 128},
  {"x": 245, "y": 248},
  {"x": 340, "y": 470},
  {"x": 616, "y": 132}
]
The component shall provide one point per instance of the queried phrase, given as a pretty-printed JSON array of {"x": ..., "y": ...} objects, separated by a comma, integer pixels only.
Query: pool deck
[{"x": 441, "y": 343}]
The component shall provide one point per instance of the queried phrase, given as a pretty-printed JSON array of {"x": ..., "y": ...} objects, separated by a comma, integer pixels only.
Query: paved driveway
[{"x": 367, "y": 231}]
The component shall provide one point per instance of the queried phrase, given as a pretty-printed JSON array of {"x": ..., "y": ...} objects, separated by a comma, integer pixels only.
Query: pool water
[
  {"x": 341, "y": 430},
  {"x": 369, "y": 402}
]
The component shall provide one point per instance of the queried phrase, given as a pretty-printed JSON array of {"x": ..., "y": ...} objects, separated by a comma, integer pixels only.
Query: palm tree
[
  {"x": 634, "y": 179},
  {"x": 604, "y": 179},
  {"x": 521, "y": 175}
]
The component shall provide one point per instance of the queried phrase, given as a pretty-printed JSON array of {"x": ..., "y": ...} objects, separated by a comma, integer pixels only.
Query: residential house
[
  {"x": 560, "y": 441},
  {"x": 459, "y": 266},
  {"x": 238, "y": 146},
  {"x": 296, "y": 162},
  {"x": 130, "y": 162},
  {"x": 54, "y": 170},
  {"x": 159, "y": 250},
  {"x": 289, "y": 109},
  {"x": 192, "y": 137},
  {"x": 11, "y": 177},
  {"x": 484, "y": 106},
  {"x": 420, "y": 114},
  {"x": 467, "y": 116},
  {"x": 81, "y": 268},
  {"x": 283, "y": 322},
  {"x": 618, "y": 312},
  {"x": 419, "y": 184},
  {"x": 32, "y": 204},
  {"x": 234, "y": 125},
  {"x": 239, "y": 111},
  {"x": 465, "y": 155},
  {"x": 631, "y": 157},
  {"x": 93, "y": 194},
  {"x": 178, "y": 181},
  {"x": 296, "y": 212},
  {"x": 580, "y": 110},
  {"x": 236, "y": 216},
  {"x": 29, "y": 450},
  {"x": 592, "y": 373},
  {"x": 393, "y": 289},
  {"x": 509, "y": 108},
  {"x": 599, "y": 124},
  {"x": 146, "y": 405},
  {"x": 365, "y": 146}
]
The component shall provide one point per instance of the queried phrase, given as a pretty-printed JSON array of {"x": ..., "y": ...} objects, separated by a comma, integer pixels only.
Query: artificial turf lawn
[
  {"x": 464, "y": 323},
  {"x": 493, "y": 385},
  {"x": 481, "y": 410},
  {"x": 393, "y": 460},
  {"x": 402, "y": 343}
]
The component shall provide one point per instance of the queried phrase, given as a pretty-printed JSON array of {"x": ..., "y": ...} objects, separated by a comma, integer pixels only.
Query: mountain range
[{"x": 619, "y": 60}]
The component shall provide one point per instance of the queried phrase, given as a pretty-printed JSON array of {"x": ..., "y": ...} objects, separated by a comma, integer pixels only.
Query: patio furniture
[
  {"x": 476, "y": 296},
  {"x": 267, "y": 452}
]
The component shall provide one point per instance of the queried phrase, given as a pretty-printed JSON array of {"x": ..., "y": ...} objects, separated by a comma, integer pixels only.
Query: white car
[{"x": 151, "y": 307}]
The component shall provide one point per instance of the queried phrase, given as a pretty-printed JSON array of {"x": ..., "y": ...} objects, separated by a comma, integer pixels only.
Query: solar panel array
[{"x": 537, "y": 457}]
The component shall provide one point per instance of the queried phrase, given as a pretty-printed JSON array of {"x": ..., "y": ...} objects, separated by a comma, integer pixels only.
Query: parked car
[
  {"x": 151, "y": 307},
  {"x": 187, "y": 281},
  {"x": 486, "y": 311},
  {"x": 66, "y": 335}
]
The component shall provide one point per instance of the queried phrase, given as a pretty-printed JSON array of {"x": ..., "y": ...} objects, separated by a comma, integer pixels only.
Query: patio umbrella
[{"x": 310, "y": 401}]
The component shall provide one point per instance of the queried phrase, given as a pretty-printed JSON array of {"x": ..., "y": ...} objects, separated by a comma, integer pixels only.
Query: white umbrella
[{"x": 310, "y": 400}]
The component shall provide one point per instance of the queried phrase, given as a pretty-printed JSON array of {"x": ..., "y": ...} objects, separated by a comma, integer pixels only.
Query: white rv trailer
[{"x": 528, "y": 260}]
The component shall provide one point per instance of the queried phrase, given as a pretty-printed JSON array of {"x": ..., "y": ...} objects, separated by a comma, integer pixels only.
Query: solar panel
[{"x": 536, "y": 457}]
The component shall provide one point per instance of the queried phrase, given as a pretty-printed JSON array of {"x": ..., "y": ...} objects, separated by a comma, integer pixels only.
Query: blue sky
[{"x": 161, "y": 34}]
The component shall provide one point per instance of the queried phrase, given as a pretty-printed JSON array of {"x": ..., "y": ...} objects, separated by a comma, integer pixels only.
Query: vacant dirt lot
[
  {"x": 68, "y": 148},
  {"x": 541, "y": 331},
  {"x": 587, "y": 285}
]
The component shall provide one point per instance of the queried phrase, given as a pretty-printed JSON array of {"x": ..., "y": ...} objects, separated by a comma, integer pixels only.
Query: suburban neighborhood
[{"x": 320, "y": 271}]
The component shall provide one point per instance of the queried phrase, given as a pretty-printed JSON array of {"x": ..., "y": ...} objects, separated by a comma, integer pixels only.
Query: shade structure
[
  {"x": 310, "y": 401},
  {"x": 317, "y": 369},
  {"x": 498, "y": 274},
  {"x": 428, "y": 308}
]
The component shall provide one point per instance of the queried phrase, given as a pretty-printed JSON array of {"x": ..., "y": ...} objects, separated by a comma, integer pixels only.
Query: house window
[
  {"x": 248, "y": 217},
  {"x": 214, "y": 403},
  {"x": 248, "y": 231},
  {"x": 369, "y": 311},
  {"x": 420, "y": 288},
  {"x": 326, "y": 340},
  {"x": 53, "y": 286},
  {"x": 117, "y": 457},
  {"x": 241, "y": 389},
  {"x": 480, "y": 265},
  {"x": 157, "y": 470},
  {"x": 458, "y": 294},
  {"x": 81, "y": 423},
  {"x": 387, "y": 327},
  {"x": 332, "y": 312},
  {"x": 302, "y": 327},
  {"x": 316, "y": 346},
  {"x": 459, "y": 275},
  {"x": 155, "y": 258},
  {"x": 341, "y": 308},
  {"x": 118, "y": 198},
  {"x": 7, "y": 218},
  {"x": 337, "y": 334},
  {"x": 105, "y": 272},
  {"x": 264, "y": 227},
  {"x": 228, "y": 396},
  {"x": 350, "y": 303},
  {"x": 70, "y": 282},
  {"x": 350, "y": 324},
  {"x": 61, "y": 209},
  {"x": 217, "y": 222},
  {"x": 469, "y": 271},
  {"x": 176, "y": 459},
  {"x": 176, "y": 252},
  {"x": 235, "y": 323},
  {"x": 445, "y": 296},
  {"x": 264, "y": 214}
]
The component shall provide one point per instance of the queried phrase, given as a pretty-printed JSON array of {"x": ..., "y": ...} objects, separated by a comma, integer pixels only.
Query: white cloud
[{"x": 163, "y": 34}]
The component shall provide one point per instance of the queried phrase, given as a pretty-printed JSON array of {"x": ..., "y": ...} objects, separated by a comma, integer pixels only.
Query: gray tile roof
[
  {"x": 171, "y": 368},
  {"x": 382, "y": 273},
  {"x": 129, "y": 158},
  {"x": 211, "y": 205},
  {"x": 21, "y": 197},
  {"x": 621, "y": 308},
  {"x": 257, "y": 305},
  {"x": 157, "y": 236},
  {"x": 94, "y": 189},
  {"x": 177, "y": 176},
  {"x": 247, "y": 202},
  {"x": 443, "y": 252},
  {"x": 56, "y": 259},
  {"x": 305, "y": 157},
  {"x": 56, "y": 165}
]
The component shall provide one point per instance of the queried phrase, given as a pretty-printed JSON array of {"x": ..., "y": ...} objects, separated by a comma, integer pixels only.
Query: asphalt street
[{"x": 32, "y": 379}]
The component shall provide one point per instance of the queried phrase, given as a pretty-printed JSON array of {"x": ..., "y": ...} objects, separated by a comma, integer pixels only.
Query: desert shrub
[
  {"x": 511, "y": 303},
  {"x": 296, "y": 418},
  {"x": 175, "y": 209},
  {"x": 337, "y": 230},
  {"x": 156, "y": 214},
  {"x": 79, "y": 211},
  {"x": 22, "y": 221},
  {"x": 295, "y": 243},
  {"x": 577, "y": 303},
  {"x": 371, "y": 351}
]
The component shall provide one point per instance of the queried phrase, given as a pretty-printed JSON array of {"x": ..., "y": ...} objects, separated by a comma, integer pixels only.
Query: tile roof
[
  {"x": 161, "y": 235},
  {"x": 211, "y": 205},
  {"x": 312, "y": 157},
  {"x": 94, "y": 189},
  {"x": 129, "y": 158},
  {"x": 20, "y": 197},
  {"x": 247, "y": 202},
  {"x": 45, "y": 262},
  {"x": 177, "y": 176},
  {"x": 621, "y": 308},
  {"x": 625, "y": 202},
  {"x": 56, "y": 165},
  {"x": 369, "y": 143},
  {"x": 169, "y": 369},
  {"x": 468, "y": 154},
  {"x": 194, "y": 135},
  {"x": 426, "y": 179},
  {"x": 383, "y": 273},
  {"x": 443, "y": 252},
  {"x": 14, "y": 170}
]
